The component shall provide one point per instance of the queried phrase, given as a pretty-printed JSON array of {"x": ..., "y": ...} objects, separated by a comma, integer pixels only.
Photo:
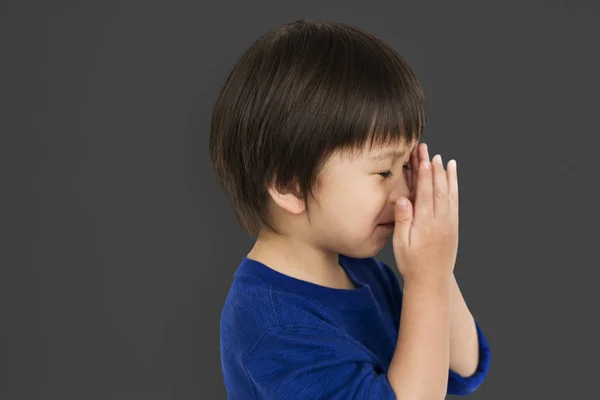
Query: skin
[
  {"x": 355, "y": 196},
  {"x": 464, "y": 343},
  {"x": 348, "y": 186}
]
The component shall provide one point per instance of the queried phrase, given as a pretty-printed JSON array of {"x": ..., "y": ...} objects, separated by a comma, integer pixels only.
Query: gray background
[{"x": 119, "y": 246}]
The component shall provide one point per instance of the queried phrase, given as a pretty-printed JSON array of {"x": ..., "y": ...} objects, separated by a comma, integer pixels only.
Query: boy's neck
[{"x": 300, "y": 260}]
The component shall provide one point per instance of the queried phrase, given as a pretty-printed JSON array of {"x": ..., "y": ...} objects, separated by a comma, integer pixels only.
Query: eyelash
[{"x": 388, "y": 174}]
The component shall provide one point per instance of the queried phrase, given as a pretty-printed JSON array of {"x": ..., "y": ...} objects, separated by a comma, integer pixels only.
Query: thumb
[{"x": 404, "y": 216}]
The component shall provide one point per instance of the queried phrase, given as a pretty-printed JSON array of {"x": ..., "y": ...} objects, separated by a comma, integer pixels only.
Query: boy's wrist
[{"x": 429, "y": 282}]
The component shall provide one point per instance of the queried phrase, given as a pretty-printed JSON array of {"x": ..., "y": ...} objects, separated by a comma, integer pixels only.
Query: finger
[
  {"x": 452, "y": 175},
  {"x": 419, "y": 155},
  {"x": 440, "y": 187},
  {"x": 424, "y": 154},
  {"x": 423, "y": 207},
  {"x": 414, "y": 167},
  {"x": 410, "y": 174}
]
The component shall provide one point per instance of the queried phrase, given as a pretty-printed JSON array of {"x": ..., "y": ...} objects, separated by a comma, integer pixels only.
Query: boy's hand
[{"x": 426, "y": 234}]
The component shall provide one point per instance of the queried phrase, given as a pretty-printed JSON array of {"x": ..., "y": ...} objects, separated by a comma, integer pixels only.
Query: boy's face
[{"x": 356, "y": 196}]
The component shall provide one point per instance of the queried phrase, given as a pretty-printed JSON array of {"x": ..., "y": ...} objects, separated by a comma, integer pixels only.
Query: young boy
[{"x": 315, "y": 138}]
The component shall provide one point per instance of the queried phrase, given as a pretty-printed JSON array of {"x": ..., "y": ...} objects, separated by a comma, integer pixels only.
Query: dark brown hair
[{"x": 299, "y": 93}]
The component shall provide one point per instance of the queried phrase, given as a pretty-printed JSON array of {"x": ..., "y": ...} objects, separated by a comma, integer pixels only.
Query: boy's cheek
[{"x": 408, "y": 177}]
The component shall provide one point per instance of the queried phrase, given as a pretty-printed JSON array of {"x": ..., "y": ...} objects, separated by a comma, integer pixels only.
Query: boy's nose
[{"x": 401, "y": 190}]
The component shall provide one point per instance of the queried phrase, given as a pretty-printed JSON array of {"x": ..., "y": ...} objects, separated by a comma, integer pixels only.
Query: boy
[{"x": 315, "y": 138}]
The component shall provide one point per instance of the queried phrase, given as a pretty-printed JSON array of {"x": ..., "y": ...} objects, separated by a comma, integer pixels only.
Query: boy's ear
[{"x": 288, "y": 199}]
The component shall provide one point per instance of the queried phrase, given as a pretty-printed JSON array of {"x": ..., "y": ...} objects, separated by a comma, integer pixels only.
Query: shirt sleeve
[
  {"x": 462, "y": 386},
  {"x": 297, "y": 362},
  {"x": 457, "y": 384}
]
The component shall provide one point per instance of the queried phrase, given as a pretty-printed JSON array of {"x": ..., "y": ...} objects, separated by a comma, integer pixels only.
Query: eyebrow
[{"x": 386, "y": 154}]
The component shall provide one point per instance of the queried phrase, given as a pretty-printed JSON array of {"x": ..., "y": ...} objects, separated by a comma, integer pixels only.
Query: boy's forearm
[
  {"x": 419, "y": 367},
  {"x": 464, "y": 343}
]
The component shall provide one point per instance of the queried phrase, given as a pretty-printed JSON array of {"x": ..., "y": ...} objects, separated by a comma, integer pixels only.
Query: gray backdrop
[{"x": 119, "y": 245}]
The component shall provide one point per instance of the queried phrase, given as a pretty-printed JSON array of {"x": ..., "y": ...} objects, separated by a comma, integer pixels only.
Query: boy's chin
[{"x": 367, "y": 250}]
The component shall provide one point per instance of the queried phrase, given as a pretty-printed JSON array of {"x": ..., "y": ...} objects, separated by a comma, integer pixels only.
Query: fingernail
[
  {"x": 426, "y": 164},
  {"x": 402, "y": 203},
  {"x": 438, "y": 159}
]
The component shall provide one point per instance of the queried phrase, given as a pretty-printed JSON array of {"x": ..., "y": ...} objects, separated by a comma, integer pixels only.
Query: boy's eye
[{"x": 386, "y": 174}]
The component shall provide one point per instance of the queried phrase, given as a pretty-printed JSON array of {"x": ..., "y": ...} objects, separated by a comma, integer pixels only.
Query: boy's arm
[
  {"x": 308, "y": 361},
  {"x": 464, "y": 343},
  {"x": 419, "y": 367},
  {"x": 458, "y": 384}
]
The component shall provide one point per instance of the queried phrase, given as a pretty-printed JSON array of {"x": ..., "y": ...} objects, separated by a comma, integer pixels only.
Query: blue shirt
[{"x": 285, "y": 338}]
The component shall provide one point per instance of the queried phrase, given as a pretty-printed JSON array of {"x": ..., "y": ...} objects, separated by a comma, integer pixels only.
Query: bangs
[{"x": 358, "y": 91}]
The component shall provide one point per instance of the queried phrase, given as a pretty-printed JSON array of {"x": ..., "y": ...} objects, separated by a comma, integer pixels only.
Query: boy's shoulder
[
  {"x": 255, "y": 300},
  {"x": 257, "y": 305}
]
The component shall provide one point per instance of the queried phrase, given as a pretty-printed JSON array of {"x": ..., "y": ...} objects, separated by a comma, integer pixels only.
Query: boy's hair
[{"x": 299, "y": 93}]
